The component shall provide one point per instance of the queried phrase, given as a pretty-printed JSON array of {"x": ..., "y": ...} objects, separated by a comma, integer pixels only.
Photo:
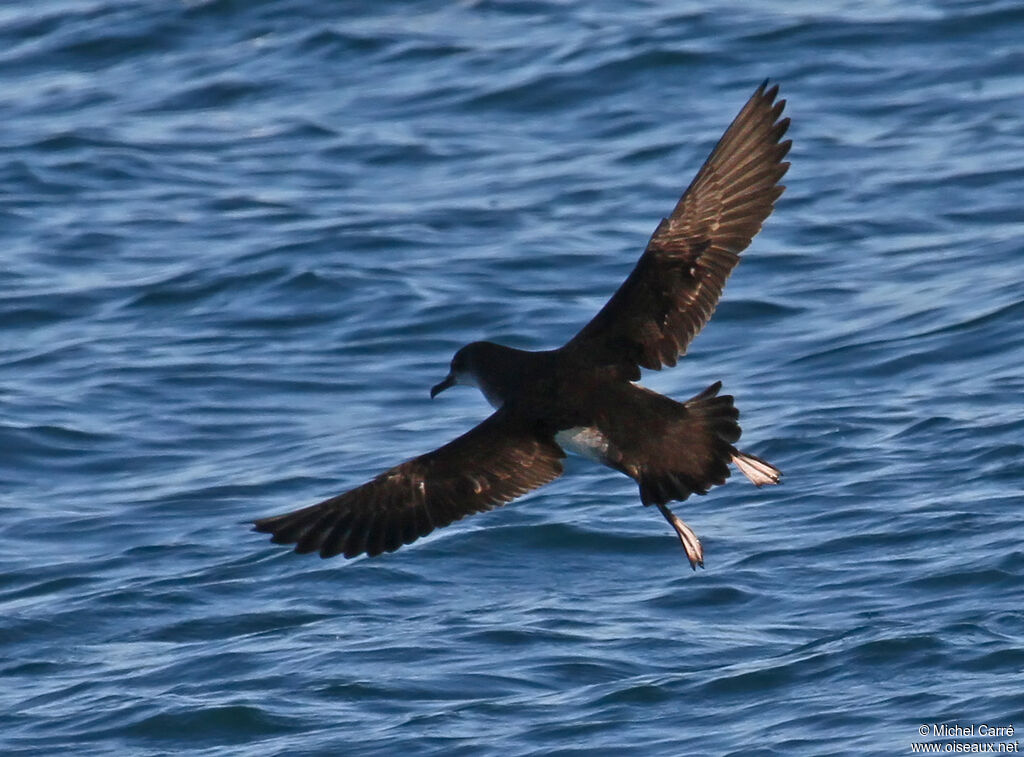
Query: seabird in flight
[{"x": 582, "y": 397}]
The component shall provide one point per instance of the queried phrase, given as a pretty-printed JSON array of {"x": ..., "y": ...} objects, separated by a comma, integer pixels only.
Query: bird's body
[{"x": 582, "y": 397}]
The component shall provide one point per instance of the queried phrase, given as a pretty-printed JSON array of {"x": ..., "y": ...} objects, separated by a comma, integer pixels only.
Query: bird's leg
[{"x": 694, "y": 552}]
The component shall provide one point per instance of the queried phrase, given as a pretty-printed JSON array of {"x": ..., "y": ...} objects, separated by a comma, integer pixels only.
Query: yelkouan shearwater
[{"x": 582, "y": 396}]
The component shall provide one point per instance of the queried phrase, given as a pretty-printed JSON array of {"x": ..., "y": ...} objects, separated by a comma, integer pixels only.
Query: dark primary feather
[
  {"x": 675, "y": 286},
  {"x": 492, "y": 464}
]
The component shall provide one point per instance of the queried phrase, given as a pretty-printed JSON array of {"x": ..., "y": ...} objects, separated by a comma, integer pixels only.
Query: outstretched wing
[
  {"x": 674, "y": 288},
  {"x": 491, "y": 464}
]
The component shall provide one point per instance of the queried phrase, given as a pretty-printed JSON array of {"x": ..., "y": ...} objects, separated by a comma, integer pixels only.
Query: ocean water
[{"x": 241, "y": 240}]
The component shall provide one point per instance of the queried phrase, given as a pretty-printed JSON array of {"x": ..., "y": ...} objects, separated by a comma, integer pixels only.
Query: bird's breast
[{"x": 495, "y": 397}]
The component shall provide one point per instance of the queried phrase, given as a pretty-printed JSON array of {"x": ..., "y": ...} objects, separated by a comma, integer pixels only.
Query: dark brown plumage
[
  {"x": 581, "y": 396},
  {"x": 674, "y": 288},
  {"x": 491, "y": 464}
]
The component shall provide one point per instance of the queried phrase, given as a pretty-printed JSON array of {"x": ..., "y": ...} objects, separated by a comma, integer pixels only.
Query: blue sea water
[{"x": 241, "y": 240}]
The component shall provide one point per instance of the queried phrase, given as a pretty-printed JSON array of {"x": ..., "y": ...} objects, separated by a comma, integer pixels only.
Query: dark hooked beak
[{"x": 449, "y": 380}]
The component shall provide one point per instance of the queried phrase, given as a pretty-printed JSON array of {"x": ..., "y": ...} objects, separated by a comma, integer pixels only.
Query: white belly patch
[{"x": 586, "y": 441}]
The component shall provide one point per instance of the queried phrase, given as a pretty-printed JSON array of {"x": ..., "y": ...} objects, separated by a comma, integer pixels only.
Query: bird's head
[{"x": 463, "y": 368}]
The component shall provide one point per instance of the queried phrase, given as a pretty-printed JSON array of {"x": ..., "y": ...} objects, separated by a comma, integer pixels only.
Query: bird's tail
[
  {"x": 694, "y": 451},
  {"x": 691, "y": 451}
]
